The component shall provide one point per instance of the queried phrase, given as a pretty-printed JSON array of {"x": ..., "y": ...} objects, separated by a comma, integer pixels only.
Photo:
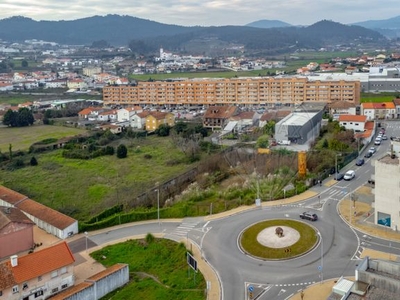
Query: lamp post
[
  {"x": 321, "y": 267},
  {"x": 158, "y": 206},
  {"x": 86, "y": 237}
]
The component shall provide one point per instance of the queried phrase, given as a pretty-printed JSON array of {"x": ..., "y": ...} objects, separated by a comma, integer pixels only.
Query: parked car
[
  {"x": 350, "y": 174},
  {"x": 377, "y": 141},
  {"x": 339, "y": 176},
  {"x": 372, "y": 150},
  {"x": 368, "y": 154},
  {"x": 360, "y": 161},
  {"x": 309, "y": 216}
]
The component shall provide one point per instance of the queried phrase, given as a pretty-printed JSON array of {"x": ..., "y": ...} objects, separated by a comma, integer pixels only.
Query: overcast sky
[{"x": 207, "y": 12}]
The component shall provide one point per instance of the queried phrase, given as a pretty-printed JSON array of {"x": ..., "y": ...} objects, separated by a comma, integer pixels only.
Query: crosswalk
[
  {"x": 337, "y": 193},
  {"x": 184, "y": 228}
]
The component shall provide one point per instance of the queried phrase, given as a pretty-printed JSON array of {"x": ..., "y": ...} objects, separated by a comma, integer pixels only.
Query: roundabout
[{"x": 278, "y": 239}]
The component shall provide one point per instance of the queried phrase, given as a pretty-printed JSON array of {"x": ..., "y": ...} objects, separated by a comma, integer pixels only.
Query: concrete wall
[
  {"x": 380, "y": 281},
  {"x": 101, "y": 287}
]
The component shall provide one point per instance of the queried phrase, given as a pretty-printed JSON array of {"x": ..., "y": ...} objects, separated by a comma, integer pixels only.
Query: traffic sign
[
  {"x": 251, "y": 288},
  {"x": 320, "y": 268}
]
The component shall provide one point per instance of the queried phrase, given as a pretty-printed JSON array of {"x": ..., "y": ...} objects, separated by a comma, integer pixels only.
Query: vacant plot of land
[
  {"x": 158, "y": 270},
  {"x": 22, "y": 138},
  {"x": 82, "y": 188}
]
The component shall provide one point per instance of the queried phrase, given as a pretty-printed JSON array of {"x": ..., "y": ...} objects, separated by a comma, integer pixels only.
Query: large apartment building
[{"x": 236, "y": 91}]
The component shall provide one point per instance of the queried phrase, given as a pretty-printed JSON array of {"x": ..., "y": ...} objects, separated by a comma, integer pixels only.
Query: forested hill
[{"x": 144, "y": 35}]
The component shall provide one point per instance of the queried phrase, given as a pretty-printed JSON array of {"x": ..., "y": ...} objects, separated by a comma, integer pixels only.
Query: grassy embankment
[{"x": 158, "y": 270}]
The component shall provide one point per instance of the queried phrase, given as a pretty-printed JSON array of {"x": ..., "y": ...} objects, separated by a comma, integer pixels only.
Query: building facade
[
  {"x": 387, "y": 191},
  {"x": 237, "y": 91}
]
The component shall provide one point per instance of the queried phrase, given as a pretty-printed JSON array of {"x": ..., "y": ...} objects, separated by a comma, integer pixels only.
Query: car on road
[
  {"x": 350, "y": 174},
  {"x": 368, "y": 154},
  {"x": 384, "y": 137},
  {"x": 360, "y": 161},
  {"x": 372, "y": 150},
  {"x": 309, "y": 216},
  {"x": 339, "y": 176}
]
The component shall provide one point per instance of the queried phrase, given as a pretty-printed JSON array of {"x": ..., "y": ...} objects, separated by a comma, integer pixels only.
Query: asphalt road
[{"x": 336, "y": 255}]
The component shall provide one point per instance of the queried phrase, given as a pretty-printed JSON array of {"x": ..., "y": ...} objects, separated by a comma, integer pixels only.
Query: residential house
[
  {"x": 379, "y": 111},
  {"x": 216, "y": 117},
  {"x": 397, "y": 105},
  {"x": 37, "y": 275},
  {"x": 56, "y": 83},
  {"x": 139, "y": 120},
  {"x": 112, "y": 127},
  {"x": 157, "y": 118},
  {"x": 107, "y": 115},
  {"x": 125, "y": 114},
  {"x": 353, "y": 122},
  {"x": 77, "y": 84},
  {"x": 338, "y": 108},
  {"x": 16, "y": 231},
  {"x": 245, "y": 120},
  {"x": 6, "y": 86},
  {"x": 89, "y": 113}
]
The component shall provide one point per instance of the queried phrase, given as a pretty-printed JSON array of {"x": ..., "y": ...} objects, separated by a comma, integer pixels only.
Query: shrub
[{"x": 122, "y": 151}]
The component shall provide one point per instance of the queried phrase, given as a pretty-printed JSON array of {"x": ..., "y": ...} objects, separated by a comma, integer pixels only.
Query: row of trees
[{"x": 22, "y": 117}]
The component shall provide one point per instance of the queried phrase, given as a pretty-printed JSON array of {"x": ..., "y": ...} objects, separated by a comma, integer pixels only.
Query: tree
[
  {"x": 10, "y": 118},
  {"x": 122, "y": 151},
  {"x": 163, "y": 130},
  {"x": 33, "y": 161},
  {"x": 24, "y": 63},
  {"x": 25, "y": 117}
]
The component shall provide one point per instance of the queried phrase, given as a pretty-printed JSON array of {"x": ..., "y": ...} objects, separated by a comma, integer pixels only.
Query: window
[
  {"x": 25, "y": 286},
  {"x": 39, "y": 293},
  {"x": 54, "y": 274},
  {"x": 39, "y": 278},
  {"x": 15, "y": 289},
  {"x": 54, "y": 290},
  {"x": 64, "y": 286},
  {"x": 1, "y": 293},
  {"x": 63, "y": 270}
]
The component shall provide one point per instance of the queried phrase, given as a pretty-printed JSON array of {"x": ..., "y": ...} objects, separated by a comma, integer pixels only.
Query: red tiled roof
[
  {"x": 219, "y": 112},
  {"x": 35, "y": 264},
  {"x": 382, "y": 105},
  {"x": 11, "y": 196},
  {"x": 159, "y": 115},
  {"x": 354, "y": 118},
  {"x": 341, "y": 104},
  {"x": 12, "y": 215},
  {"x": 46, "y": 214}
]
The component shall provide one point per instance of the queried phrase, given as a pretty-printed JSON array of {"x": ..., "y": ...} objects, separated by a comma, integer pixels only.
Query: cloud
[{"x": 206, "y": 12}]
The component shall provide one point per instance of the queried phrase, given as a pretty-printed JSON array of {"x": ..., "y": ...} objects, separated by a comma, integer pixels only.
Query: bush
[
  {"x": 33, "y": 161},
  {"x": 122, "y": 151}
]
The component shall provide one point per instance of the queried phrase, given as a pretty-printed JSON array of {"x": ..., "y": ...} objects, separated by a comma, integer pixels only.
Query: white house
[
  {"x": 379, "y": 111},
  {"x": 126, "y": 114},
  {"x": 353, "y": 122},
  {"x": 139, "y": 120},
  {"x": 338, "y": 108}
]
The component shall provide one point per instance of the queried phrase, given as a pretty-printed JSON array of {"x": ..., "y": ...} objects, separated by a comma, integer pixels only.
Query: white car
[{"x": 350, "y": 174}]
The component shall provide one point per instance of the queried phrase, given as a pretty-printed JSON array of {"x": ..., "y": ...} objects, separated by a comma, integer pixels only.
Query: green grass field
[
  {"x": 21, "y": 138},
  {"x": 158, "y": 270},
  {"x": 82, "y": 188}
]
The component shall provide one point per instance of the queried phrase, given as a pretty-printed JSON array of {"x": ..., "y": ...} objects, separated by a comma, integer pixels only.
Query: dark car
[
  {"x": 309, "y": 216},
  {"x": 368, "y": 154},
  {"x": 339, "y": 176},
  {"x": 360, "y": 162}
]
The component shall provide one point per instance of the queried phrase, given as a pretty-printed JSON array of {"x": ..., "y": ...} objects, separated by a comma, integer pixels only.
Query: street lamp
[
  {"x": 86, "y": 236},
  {"x": 158, "y": 206},
  {"x": 336, "y": 164},
  {"x": 321, "y": 267}
]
